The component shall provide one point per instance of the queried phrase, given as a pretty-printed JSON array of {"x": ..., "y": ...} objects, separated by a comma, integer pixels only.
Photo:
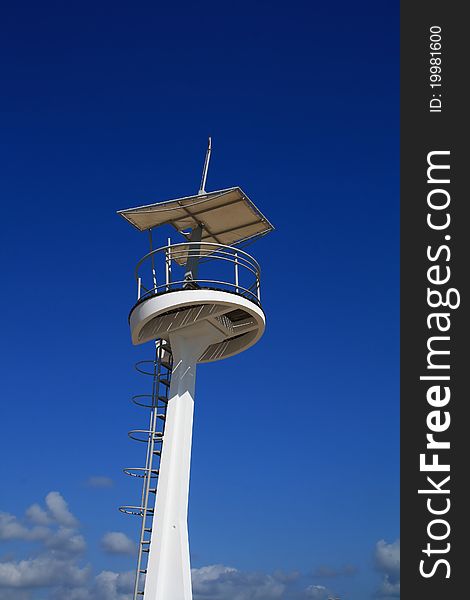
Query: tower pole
[{"x": 168, "y": 569}]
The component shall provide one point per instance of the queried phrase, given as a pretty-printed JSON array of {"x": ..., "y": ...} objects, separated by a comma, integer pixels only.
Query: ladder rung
[
  {"x": 161, "y": 416},
  {"x": 143, "y": 571},
  {"x": 165, "y": 382},
  {"x": 163, "y": 399},
  {"x": 148, "y": 529}
]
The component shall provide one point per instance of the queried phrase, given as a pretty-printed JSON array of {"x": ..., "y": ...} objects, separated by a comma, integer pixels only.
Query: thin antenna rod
[{"x": 202, "y": 189}]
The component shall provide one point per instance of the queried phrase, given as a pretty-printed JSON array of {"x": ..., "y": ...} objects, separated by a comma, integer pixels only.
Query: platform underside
[{"x": 238, "y": 322}]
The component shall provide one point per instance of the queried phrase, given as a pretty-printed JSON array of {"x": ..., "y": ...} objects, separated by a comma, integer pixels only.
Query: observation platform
[
  {"x": 224, "y": 295},
  {"x": 206, "y": 279}
]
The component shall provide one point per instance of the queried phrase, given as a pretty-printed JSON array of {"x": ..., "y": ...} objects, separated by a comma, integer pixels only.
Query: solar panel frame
[{"x": 238, "y": 219}]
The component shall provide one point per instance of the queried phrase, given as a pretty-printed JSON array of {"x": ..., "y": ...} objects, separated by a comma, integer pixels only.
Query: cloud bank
[
  {"x": 56, "y": 567},
  {"x": 387, "y": 558}
]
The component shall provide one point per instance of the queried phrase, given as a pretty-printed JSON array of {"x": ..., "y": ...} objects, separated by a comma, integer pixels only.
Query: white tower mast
[{"x": 192, "y": 318}]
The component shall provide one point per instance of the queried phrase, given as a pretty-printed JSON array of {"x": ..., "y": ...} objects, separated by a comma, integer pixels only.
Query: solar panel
[{"x": 229, "y": 217}]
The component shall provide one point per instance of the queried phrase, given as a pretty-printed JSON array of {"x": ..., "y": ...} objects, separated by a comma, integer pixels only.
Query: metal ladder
[{"x": 160, "y": 370}]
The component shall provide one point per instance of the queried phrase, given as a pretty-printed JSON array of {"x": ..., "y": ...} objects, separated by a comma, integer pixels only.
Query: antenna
[
  {"x": 202, "y": 189},
  {"x": 198, "y": 301}
]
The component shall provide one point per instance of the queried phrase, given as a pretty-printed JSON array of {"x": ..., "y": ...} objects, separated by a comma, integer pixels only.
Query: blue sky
[{"x": 295, "y": 457}]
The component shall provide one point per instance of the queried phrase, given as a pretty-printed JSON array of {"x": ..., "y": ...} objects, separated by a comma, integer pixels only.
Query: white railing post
[
  {"x": 236, "y": 272},
  {"x": 154, "y": 273},
  {"x": 167, "y": 270},
  {"x": 258, "y": 287},
  {"x": 139, "y": 287},
  {"x": 168, "y": 264}
]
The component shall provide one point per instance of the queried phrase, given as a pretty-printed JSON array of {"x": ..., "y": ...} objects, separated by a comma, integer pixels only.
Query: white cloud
[
  {"x": 389, "y": 589},
  {"x": 41, "y": 572},
  {"x": 66, "y": 541},
  {"x": 38, "y": 515},
  {"x": 58, "y": 509},
  {"x": 64, "y": 578},
  {"x": 12, "y": 529},
  {"x": 56, "y": 570},
  {"x": 211, "y": 573},
  {"x": 107, "y": 585},
  {"x": 316, "y": 592},
  {"x": 116, "y": 542},
  {"x": 218, "y": 582},
  {"x": 387, "y": 558},
  {"x": 76, "y": 593},
  {"x": 114, "y": 586},
  {"x": 55, "y": 564},
  {"x": 100, "y": 481}
]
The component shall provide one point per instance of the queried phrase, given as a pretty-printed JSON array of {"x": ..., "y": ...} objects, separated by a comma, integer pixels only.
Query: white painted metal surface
[
  {"x": 168, "y": 570},
  {"x": 144, "y": 325}
]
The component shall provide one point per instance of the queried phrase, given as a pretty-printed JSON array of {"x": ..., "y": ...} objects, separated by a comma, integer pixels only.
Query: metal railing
[{"x": 218, "y": 267}]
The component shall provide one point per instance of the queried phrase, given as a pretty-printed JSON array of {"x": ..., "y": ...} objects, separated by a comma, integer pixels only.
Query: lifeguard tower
[{"x": 198, "y": 300}]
